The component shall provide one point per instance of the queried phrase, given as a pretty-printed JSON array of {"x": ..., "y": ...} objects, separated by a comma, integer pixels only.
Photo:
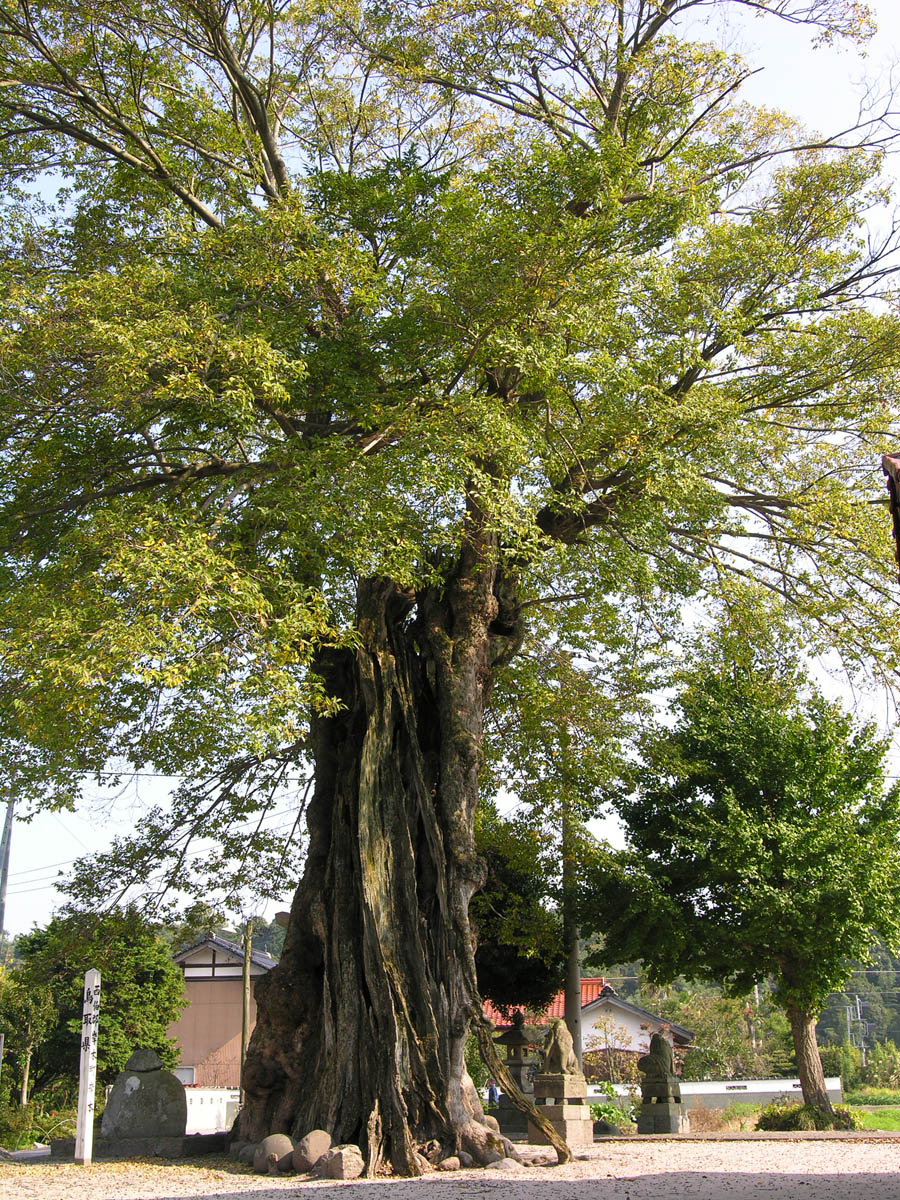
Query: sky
[{"x": 822, "y": 87}]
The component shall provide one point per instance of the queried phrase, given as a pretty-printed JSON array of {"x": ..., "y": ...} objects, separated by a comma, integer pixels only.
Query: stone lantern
[{"x": 517, "y": 1044}]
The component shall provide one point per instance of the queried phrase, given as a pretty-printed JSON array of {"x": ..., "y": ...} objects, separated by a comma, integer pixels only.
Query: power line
[{"x": 36, "y": 870}]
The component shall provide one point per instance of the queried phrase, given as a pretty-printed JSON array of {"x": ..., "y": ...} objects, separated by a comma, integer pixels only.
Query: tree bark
[
  {"x": 361, "y": 1027},
  {"x": 809, "y": 1061}
]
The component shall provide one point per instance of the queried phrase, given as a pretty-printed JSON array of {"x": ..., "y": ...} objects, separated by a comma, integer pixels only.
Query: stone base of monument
[
  {"x": 661, "y": 1117},
  {"x": 513, "y": 1124},
  {"x": 146, "y": 1147},
  {"x": 562, "y": 1099}
]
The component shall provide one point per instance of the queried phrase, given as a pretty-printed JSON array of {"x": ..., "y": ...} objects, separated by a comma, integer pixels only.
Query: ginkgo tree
[
  {"x": 762, "y": 840},
  {"x": 358, "y": 345}
]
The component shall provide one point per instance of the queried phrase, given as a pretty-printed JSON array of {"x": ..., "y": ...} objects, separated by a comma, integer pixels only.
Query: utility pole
[
  {"x": 245, "y": 995},
  {"x": 571, "y": 936},
  {"x": 4, "y": 860}
]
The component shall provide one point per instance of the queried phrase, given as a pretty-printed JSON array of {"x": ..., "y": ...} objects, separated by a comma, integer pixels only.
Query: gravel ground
[{"x": 854, "y": 1168}]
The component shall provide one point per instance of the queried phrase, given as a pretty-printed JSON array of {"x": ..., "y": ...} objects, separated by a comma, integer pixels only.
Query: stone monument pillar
[
  {"x": 560, "y": 1091},
  {"x": 661, "y": 1108}
]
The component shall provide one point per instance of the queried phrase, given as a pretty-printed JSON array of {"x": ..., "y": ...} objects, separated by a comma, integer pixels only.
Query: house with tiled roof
[{"x": 614, "y": 1032}]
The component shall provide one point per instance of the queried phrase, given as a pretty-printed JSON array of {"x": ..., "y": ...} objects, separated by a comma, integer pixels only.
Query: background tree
[
  {"x": 361, "y": 344},
  {"x": 520, "y": 955},
  {"x": 27, "y": 1012},
  {"x": 760, "y": 839},
  {"x": 143, "y": 991}
]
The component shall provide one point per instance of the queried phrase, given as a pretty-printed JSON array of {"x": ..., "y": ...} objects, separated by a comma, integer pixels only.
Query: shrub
[
  {"x": 607, "y": 1110},
  {"x": 787, "y": 1116},
  {"x": 21, "y": 1127},
  {"x": 15, "y": 1125},
  {"x": 883, "y": 1065},
  {"x": 844, "y": 1060},
  {"x": 612, "y": 1109}
]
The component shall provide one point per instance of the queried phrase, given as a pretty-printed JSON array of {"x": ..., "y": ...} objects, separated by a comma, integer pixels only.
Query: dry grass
[{"x": 735, "y": 1118}]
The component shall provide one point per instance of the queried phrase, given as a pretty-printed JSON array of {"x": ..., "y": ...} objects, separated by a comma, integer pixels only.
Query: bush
[
  {"x": 608, "y": 1111},
  {"x": 871, "y": 1095},
  {"x": 883, "y": 1066},
  {"x": 612, "y": 1109},
  {"x": 15, "y": 1125},
  {"x": 21, "y": 1127},
  {"x": 787, "y": 1116},
  {"x": 844, "y": 1060}
]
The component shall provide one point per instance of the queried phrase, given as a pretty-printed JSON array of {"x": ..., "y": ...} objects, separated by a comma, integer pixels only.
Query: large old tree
[{"x": 358, "y": 351}]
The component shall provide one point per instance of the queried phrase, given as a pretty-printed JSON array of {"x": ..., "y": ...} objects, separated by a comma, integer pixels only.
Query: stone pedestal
[
  {"x": 661, "y": 1116},
  {"x": 562, "y": 1099},
  {"x": 513, "y": 1124}
]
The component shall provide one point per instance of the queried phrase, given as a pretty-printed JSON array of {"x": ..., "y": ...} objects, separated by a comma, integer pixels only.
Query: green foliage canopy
[
  {"x": 322, "y": 287},
  {"x": 761, "y": 841}
]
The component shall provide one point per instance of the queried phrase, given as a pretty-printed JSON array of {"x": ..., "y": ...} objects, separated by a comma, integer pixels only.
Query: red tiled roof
[{"x": 591, "y": 987}]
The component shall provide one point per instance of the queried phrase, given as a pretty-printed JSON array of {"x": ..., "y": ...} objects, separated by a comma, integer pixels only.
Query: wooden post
[{"x": 87, "y": 1079}]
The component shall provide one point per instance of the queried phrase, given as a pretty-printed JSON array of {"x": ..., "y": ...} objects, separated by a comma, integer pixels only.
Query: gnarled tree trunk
[{"x": 362, "y": 1025}]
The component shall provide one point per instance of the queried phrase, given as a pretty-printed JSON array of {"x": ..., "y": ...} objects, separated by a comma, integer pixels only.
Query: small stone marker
[{"x": 87, "y": 1076}]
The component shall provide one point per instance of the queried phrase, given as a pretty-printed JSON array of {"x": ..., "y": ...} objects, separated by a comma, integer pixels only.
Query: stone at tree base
[
  {"x": 145, "y": 1101},
  {"x": 247, "y": 1153},
  {"x": 341, "y": 1162},
  {"x": 310, "y": 1149},
  {"x": 505, "y": 1164},
  {"x": 449, "y": 1164},
  {"x": 278, "y": 1144},
  {"x": 465, "y": 1160}
]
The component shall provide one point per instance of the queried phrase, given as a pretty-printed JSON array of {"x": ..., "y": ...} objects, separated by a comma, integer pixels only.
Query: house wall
[
  {"x": 607, "y": 1027},
  {"x": 613, "y": 1041},
  {"x": 209, "y": 1030}
]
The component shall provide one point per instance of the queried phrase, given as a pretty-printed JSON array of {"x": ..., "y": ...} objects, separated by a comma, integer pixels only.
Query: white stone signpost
[{"x": 87, "y": 1079}]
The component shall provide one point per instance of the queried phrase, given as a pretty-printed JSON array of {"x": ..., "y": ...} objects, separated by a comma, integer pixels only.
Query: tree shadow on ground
[{"x": 697, "y": 1185}]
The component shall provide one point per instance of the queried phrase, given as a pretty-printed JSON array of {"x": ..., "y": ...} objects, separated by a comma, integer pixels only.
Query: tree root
[{"x": 482, "y": 1028}]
